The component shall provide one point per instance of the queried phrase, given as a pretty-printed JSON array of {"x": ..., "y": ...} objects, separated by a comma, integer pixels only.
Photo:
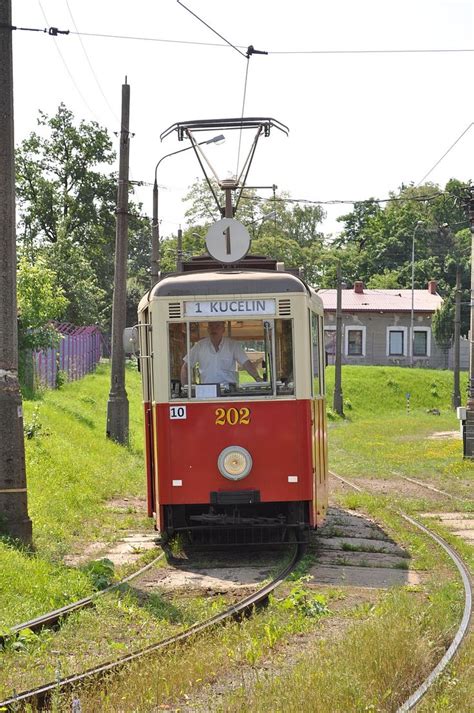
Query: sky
[{"x": 361, "y": 124}]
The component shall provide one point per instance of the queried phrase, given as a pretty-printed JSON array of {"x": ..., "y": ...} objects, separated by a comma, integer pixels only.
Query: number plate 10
[
  {"x": 178, "y": 412},
  {"x": 232, "y": 416}
]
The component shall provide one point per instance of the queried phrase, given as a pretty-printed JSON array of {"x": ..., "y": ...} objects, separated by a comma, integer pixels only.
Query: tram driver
[{"x": 216, "y": 356}]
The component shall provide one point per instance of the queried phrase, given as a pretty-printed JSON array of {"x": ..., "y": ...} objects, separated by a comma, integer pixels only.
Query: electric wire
[
  {"x": 415, "y": 199},
  {"x": 210, "y": 28},
  {"x": 445, "y": 154},
  {"x": 68, "y": 70},
  {"x": 90, "y": 65},
  {"x": 141, "y": 38},
  {"x": 166, "y": 40},
  {"x": 242, "y": 114}
]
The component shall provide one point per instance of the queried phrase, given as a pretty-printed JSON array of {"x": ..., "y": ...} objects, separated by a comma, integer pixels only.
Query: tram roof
[{"x": 241, "y": 282}]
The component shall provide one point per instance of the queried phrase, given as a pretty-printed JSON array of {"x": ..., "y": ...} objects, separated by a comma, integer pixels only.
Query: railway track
[
  {"x": 37, "y": 698},
  {"x": 463, "y": 628},
  {"x": 52, "y": 618}
]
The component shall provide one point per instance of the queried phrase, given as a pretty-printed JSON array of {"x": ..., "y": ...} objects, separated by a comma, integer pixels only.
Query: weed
[
  {"x": 34, "y": 427},
  {"x": 101, "y": 572},
  {"x": 176, "y": 545},
  {"x": 304, "y": 601},
  {"x": 273, "y": 632},
  {"x": 61, "y": 378}
]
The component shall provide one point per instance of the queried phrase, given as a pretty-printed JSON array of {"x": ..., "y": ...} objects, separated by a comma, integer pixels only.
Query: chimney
[
  {"x": 432, "y": 287},
  {"x": 359, "y": 287}
]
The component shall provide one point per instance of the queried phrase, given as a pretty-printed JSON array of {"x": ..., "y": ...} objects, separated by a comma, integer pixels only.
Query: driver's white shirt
[{"x": 216, "y": 367}]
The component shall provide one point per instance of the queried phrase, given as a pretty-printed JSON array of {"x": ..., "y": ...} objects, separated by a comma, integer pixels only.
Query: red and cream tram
[{"x": 243, "y": 453}]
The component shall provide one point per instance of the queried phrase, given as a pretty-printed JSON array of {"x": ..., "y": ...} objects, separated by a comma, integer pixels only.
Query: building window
[
  {"x": 355, "y": 341},
  {"x": 421, "y": 342},
  {"x": 397, "y": 341},
  {"x": 396, "y": 344}
]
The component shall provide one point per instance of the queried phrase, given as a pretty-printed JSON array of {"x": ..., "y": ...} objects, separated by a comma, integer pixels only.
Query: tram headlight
[{"x": 234, "y": 462}]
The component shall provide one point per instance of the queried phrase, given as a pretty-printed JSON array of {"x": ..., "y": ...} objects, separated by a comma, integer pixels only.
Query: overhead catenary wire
[
  {"x": 68, "y": 70},
  {"x": 53, "y": 31},
  {"x": 242, "y": 113},
  {"x": 210, "y": 28},
  {"x": 99, "y": 86},
  {"x": 418, "y": 50}
]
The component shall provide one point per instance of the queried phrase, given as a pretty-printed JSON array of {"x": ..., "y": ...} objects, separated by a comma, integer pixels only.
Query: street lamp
[
  {"x": 412, "y": 319},
  {"x": 155, "y": 228}
]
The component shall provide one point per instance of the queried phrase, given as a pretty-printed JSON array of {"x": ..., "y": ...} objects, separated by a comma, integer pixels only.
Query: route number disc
[{"x": 227, "y": 240}]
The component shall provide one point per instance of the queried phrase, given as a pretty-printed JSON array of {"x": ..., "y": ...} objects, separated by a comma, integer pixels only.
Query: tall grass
[
  {"x": 368, "y": 670},
  {"x": 72, "y": 471}
]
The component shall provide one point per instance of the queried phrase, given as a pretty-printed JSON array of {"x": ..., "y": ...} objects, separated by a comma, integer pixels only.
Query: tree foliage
[
  {"x": 40, "y": 300},
  {"x": 67, "y": 212}
]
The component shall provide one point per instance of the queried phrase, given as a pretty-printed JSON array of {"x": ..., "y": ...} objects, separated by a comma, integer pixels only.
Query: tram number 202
[{"x": 232, "y": 416}]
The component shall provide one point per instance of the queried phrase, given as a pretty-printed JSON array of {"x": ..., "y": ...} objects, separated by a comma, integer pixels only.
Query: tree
[
  {"x": 40, "y": 300},
  {"x": 381, "y": 238},
  {"x": 67, "y": 212},
  {"x": 278, "y": 228}
]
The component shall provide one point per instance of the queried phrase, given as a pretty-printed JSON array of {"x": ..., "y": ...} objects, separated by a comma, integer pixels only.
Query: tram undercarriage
[{"x": 239, "y": 518}]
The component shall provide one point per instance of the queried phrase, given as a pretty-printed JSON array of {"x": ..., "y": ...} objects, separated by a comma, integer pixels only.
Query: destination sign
[{"x": 229, "y": 308}]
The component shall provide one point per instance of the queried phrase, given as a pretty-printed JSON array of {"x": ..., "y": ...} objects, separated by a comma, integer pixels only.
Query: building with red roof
[{"x": 377, "y": 327}]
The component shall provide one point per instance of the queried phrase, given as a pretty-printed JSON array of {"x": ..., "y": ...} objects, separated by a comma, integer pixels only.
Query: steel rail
[
  {"x": 39, "y": 696},
  {"x": 51, "y": 618},
  {"x": 415, "y": 698},
  {"x": 463, "y": 628}
]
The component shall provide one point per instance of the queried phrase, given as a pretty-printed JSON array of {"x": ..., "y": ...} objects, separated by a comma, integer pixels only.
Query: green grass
[
  {"x": 72, "y": 468},
  {"x": 382, "y": 390},
  {"x": 380, "y": 438},
  {"x": 366, "y": 670},
  {"x": 72, "y": 471}
]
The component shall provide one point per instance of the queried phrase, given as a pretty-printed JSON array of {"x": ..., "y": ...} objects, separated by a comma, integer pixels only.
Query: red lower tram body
[{"x": 287, "y": 482}]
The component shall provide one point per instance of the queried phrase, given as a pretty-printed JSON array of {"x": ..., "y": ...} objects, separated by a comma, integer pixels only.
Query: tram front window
[{"x": 231, "y": 358}]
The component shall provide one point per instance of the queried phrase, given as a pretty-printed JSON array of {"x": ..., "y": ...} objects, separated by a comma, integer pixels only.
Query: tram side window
[
  {"x": 315, "y": 355},
  {"x": 284, "y": 357},
  {"x": 177, "y": 352}
]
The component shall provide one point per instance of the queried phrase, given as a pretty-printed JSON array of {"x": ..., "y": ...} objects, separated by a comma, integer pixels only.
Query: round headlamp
[{"x": 234, "y": 463}]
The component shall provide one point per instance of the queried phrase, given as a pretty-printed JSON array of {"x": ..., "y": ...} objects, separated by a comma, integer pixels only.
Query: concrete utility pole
[
  {"x": 338, "y": 403},
  {"x": 456, "y": 399},
  {"x": 469, "y": 425},
  {"x": 14, "y": 519},
  {"x": 179, "y": 251},
  {"x": 117, "y": 405}
]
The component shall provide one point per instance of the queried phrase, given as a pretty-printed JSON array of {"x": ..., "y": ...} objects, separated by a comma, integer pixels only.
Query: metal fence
[{"x": 77, "y": 354}]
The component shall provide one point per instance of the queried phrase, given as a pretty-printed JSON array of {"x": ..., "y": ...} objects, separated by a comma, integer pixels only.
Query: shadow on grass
[
  {"x": 85, "y": 420},
  {"x": 156, "y": 604}
]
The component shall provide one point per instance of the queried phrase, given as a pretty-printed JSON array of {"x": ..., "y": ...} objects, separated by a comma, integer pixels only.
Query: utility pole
[
  {"x": 456, "y": 400},
  {"x": 155, "y": 238},
  {"x": 179, "y": 251},
  {"x": 14, "y": 520},
  {"x": 338, "y": 404},
  {"x": 469, "y": 425},
  {"x": 117, "y": 405}
]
